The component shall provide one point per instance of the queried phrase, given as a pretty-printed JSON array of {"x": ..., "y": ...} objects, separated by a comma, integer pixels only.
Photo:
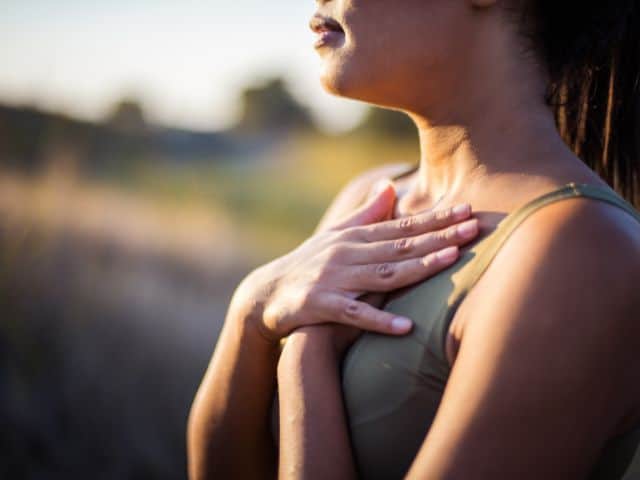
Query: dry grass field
[{"x": 113, "y": 290}]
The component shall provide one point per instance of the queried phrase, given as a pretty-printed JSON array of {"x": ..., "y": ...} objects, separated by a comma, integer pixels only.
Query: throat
[{"x": 410, "y": 203}]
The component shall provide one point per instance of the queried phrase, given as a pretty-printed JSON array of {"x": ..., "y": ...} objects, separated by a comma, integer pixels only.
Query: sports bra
[{"x": 392, "y": 386}]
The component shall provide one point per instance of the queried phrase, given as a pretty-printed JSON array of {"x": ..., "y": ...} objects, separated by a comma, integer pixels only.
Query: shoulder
[
  {"x": 576, "y": 243},
  {"x": 570, "y": 247},
  {"x": 564, "y": 286},
  {"x": 357, "y": 189},
  {"x": 547, "y": 366},
  {"x": 573, "y": 263}
]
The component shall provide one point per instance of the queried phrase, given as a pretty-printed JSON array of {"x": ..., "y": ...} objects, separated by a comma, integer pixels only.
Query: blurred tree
[
  {"x": 270, "y": 107},
  {"x": 27, "y": 135},
  {"x": 127, "y": 116},
  {"x": 391, "y": 123},
  {"x": 126, "y": 140}
]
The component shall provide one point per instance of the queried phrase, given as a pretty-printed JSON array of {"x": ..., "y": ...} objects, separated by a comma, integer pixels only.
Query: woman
[{"x": 506, "y": 348}]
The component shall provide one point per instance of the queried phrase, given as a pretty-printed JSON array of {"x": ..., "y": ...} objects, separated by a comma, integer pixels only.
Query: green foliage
[
  {"x": 277, "y": 199},
  {"x": 127, "y": 115},
  {"x": 388, "y": 123},
  {"x": 270, "y": 107}
]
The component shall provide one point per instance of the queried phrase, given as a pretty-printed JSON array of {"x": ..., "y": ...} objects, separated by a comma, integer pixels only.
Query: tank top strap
[{"x": 486, "y": 250}]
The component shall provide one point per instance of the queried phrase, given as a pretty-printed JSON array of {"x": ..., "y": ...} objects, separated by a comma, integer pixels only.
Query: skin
[
  {"x": 321, "y": 281},
  {"x": 539, "y": 384}
]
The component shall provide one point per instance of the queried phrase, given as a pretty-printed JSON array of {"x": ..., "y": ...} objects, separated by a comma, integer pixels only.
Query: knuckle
[
  {"x": 336, "y": 252},
  {"x": 430, "y": 261},
  {"x": 443, "y": 214},
  {"x": 351, "y": 234},
  {"x": 352, "y": 310},
  {"x": 402, "y": 245},
  {"x": 367, "y": 234},
  {"x": 430, "y": 217},
  {"x": 384, "y": 271},
  {"x": 407, "y": 224},
  {"x": 439, "y": 236},
  {"x": 450, "y": 233}
]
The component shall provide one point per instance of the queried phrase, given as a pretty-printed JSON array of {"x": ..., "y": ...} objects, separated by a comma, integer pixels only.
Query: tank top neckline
[
  {"x": 569, "y": 190},
  {"x": 481, "y": 253},
  {"x": 572, "y": 188}
]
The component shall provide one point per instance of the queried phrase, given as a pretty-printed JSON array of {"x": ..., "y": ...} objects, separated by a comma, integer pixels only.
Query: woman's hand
[{"x": 321, "y": 280}]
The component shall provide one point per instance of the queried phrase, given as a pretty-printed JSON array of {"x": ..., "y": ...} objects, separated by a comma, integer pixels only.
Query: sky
[{"x": 186, "y": 61}]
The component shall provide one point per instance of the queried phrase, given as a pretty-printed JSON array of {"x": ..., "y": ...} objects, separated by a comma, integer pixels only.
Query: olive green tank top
[{"x": 393, "y": 385}]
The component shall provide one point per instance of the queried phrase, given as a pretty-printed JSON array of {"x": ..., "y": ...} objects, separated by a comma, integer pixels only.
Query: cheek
[
  {"x": 373, "y": 44},
  {"x": 375, "y": 65},
  {"x": 389, "y": 50}
]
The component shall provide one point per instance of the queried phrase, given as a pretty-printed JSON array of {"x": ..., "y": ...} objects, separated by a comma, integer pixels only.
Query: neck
[
  {"x": 499, "y": 124},
  {"x": 454, "y": 154}
]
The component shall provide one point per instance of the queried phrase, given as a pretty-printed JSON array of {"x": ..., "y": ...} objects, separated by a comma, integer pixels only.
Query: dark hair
[{"x": 592, "y": 53}]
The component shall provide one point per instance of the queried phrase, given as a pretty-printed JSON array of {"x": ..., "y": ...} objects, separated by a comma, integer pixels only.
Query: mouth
[{"x": 329, "y": 31}]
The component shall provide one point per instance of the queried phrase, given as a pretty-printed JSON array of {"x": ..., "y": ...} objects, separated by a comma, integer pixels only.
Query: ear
[{"x": 483, "y": 3}]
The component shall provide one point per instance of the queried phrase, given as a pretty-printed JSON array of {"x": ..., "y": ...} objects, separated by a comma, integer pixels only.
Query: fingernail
[
  {"x": 460, "y": 210},
  {"x": 448, "y": 254},
  {"x": 401, "y": 324},
  {"x": 468, "y": 229}
]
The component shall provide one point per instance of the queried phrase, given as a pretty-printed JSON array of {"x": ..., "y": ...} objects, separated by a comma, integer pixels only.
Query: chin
[
  {"x": 339, "y": 77},
  {"x": 335, "y": 83},
  {"x": 335, "y": 73},
  {"x": 342, "y": 83}
]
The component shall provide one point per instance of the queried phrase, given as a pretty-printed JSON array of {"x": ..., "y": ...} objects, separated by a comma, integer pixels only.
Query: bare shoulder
[
  {"x": 547, "y": 366},
  {"x": 565, "y": 284},
  {"x": 582, "y": 241},
  {"x": 356, "y": 190},
  {"x": 576, "y": 246}
]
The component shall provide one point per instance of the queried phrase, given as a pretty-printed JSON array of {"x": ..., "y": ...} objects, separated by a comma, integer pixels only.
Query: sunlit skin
[{"x": 475, "y": 90}]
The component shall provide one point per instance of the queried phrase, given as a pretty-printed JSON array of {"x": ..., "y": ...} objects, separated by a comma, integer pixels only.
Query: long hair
[{"x": 592, "y": 53}]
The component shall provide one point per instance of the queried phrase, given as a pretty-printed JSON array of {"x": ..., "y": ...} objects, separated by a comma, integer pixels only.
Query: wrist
[
  {"x": 306, "y": 346},
  {"x": 248, "y": 305}
]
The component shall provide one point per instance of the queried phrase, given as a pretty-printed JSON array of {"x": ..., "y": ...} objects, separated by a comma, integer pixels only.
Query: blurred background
[{"x": 152, "y": 153}]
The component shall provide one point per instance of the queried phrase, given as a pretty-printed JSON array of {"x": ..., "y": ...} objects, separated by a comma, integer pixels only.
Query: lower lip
[{"x": 329, "y": 38}]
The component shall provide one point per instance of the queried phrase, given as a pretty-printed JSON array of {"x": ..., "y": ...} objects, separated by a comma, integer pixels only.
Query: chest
[{"x": 393, "y": 386}]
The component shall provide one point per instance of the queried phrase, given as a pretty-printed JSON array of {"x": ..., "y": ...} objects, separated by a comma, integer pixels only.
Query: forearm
[
  {"x": 229, "y": 426},
  {"x": 314, "y": 439}
]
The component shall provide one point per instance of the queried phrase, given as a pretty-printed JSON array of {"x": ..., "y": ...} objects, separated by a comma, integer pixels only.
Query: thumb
[{"x": 377, "y": 208}]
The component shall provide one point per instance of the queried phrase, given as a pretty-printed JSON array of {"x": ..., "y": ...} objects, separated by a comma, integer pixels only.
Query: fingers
[
  {"x": 376, "y": 209},
  {"x": 412, "y": 247},
  {"x": 409, "y": 226},
  {"x": 385, "y": 277},
  {"x": 344, "y": 310}
]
